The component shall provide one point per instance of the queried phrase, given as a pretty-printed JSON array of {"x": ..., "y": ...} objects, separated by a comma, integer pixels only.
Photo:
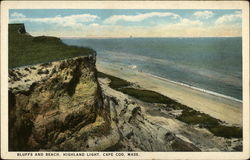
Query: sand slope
[{"x": 227, "y": 110}]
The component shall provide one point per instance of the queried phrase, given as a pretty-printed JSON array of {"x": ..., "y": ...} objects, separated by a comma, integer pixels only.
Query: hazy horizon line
[{"x": 150, "y": 37}]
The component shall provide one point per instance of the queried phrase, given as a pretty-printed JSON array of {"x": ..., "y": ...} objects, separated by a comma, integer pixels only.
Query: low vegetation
[
  {"x": 189, "y": 115},
  {"x": 25, "y": 49},
  {"x": 115, "y": 83}
]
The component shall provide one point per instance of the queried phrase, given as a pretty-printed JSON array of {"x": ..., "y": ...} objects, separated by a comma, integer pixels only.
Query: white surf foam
[{"x": 196, "y": 88}]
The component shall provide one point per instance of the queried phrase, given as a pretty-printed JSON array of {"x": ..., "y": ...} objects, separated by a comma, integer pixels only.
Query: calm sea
[{"x": 212, "y": 64}]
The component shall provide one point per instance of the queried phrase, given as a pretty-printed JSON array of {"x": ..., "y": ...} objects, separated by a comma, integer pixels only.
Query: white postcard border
[{"x": 6, "y": 5}]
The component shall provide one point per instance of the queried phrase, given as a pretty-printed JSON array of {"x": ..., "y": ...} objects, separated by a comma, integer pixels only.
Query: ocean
[{"x": 213, "y": 65}]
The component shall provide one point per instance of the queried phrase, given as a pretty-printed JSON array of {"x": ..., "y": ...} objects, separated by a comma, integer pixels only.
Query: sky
[{"x": 129, "y": 22}]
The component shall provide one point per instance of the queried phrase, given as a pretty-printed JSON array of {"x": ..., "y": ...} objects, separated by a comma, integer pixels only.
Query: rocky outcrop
[{"x": 58, "y": 106}]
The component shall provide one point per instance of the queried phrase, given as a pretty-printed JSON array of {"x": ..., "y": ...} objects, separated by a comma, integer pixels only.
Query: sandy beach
[{"x": 222, "y": 108}]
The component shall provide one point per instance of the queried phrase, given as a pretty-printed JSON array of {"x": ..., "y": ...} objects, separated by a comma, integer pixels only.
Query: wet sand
[{"x": 222, "y": 108}]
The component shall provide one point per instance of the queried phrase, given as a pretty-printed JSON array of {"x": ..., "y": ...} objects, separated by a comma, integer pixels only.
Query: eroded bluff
[{"x": 59, "y": 106}]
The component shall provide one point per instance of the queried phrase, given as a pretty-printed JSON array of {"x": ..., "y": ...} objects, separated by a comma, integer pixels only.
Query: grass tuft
[
  {"x": 115, "y": 83},
  {"x": 146, "y": 95},
  {"x": 226, "y": 131}
]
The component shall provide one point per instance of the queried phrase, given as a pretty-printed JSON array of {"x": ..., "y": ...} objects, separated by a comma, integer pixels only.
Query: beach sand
[{"x": 225, "y": 109}]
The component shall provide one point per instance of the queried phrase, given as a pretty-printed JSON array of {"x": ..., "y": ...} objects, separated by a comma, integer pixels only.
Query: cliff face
[
  {"x": 60, "y": 106},
  {"x": 56, "y": 106}
]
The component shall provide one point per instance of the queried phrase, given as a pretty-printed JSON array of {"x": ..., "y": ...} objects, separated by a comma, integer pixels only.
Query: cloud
[
  {"x": 66, "y": 21},
  {"x": 139, "y": 17},
  {"x": 237, "y": 12},
  {"x": 204, "y": 14},
  {"x": 184, "y": 27},
  {"x": 17, "y": 15},
  {"x": 180, "y": 29},
  {"x": 86, "y": 25},
  {"x": 229, "y": 18},
  {"x": 94, "y": 24},
  {"x": 187, "y": 22}
]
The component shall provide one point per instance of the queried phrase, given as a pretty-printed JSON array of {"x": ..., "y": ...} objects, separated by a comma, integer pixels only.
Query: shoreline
[
  {"x": 225, "y": 108},
  {"x": 196, "y": 88}
]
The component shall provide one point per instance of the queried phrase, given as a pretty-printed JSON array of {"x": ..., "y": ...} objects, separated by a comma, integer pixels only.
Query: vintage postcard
[{"x": 125, "y": 80}]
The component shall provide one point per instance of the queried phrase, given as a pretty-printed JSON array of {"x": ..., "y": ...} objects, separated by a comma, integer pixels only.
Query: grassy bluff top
[{"x": 25, "y": 49}]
